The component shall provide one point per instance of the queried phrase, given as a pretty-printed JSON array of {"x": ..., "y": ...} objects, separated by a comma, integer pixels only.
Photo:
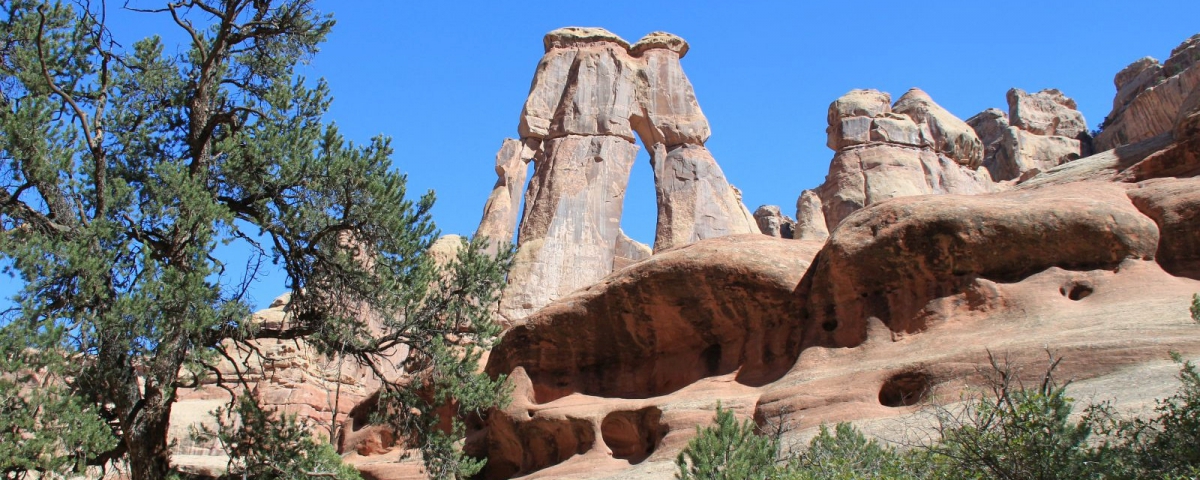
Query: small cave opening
[
  {"x": 1076, "y": 290},
  {"x": 905, "y": 389},
  {"x": 711, "y": 357},
  {"x": 515, "y": 448},
  {"x": 633, "y": 435}
]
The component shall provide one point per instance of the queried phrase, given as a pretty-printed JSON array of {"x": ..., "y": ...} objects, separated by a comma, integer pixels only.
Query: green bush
[
  {"x": 847, "y": 454},
  {"x": 1013, "y": 432},
  {"x": 728, "y": 450}
]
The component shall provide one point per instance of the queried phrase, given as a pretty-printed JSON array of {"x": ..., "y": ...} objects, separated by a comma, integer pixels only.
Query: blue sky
[{"x": 446, "y": 80}]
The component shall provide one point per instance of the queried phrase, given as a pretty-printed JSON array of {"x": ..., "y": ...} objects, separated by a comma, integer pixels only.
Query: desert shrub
[
  {"x": 728, "y": 450},
  {"x": 845, "y": 454}
]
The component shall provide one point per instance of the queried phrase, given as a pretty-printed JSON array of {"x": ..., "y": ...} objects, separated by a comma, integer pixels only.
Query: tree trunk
[{"x": 149, "y": 457}]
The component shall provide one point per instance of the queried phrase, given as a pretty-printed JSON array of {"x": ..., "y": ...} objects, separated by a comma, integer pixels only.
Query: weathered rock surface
[
  {"x": 863, "y": 176},
  {"x": 945, "y": 132},
  {"x": 913, "y": 148},
  {"x": 772, "y": 222},
  {"x": 1046, "y": 113},
  {"x": 1174, "y": 204},
  {"x": 889, "y": 262},
  {"x": 810, "y": 218},
  {"x": 502, "y": 209},
  {"x": 572, "y": 220},
  {"x": 591, "y": 93},
  {"x": 629, "y": 252},
  {"x": 1041, "y": 131},
  {"x": 946, "y": 280},
  {"x": 1149, "y": 96}
]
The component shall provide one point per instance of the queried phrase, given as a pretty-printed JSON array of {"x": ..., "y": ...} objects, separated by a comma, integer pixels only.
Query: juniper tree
[{"x": 122, "y": 168}]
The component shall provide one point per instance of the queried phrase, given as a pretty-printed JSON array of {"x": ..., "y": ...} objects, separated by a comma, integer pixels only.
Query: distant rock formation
[
  {"x": 1042, "y": 130},
  {"x": 772, "y": 222},
  {"x": 592, "y": 92},
  {"x": 884, "y": 151},
  {"x": 1149, "y": 96}
]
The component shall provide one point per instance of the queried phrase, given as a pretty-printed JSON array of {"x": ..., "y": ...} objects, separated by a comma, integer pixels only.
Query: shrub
[{"x": 728, "y": 450}]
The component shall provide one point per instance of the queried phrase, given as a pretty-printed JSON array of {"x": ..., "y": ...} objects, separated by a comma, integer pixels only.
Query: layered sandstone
[
  {"x": 592, "y": 94},
  {"x": 772, "y": 222},
  {"x": 1149, "y": 96},
  {"x": 1041, "y": 131},
  {"x": 883, "y": 151}
]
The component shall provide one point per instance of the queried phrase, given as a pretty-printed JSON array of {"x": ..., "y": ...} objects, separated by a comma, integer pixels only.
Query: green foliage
[
  {"x": 1195, "y": 309},
  {"x": 121, "y": 172},
  {"x": 728, "y": 450},
  {"x": 846, "y": 454},
  {"x": 1022, "y": 434},
  {"x": 1012, "y": 433},
  {"x": 266, "y": 445}
]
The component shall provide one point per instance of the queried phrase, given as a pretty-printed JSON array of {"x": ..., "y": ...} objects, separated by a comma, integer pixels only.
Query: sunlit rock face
[
  {"x": 593, "y": 96},
  {"x": 884, "y": 151},
  {"x": 1150, "y": 95},
  {"x": 1040, "y": 131}
]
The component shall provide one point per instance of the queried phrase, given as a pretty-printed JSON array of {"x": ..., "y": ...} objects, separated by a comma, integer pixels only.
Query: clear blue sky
[{"x": 446, "y": 80}]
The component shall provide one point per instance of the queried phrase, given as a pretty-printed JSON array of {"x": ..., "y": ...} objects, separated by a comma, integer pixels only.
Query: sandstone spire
[{"x": 591, "y": 93}]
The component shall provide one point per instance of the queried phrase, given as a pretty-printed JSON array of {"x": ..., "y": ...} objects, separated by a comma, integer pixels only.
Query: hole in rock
[
  {"x": 633, "y": 436},
  {"x": 711, "y": 357},
  {"x": 829, "y": 325},
  {"x": 519, "y": 448},
  {"x": 1076, "y": 291},
  {"x": 904, "y": 389},
  {"x": 639, "y": 211}
]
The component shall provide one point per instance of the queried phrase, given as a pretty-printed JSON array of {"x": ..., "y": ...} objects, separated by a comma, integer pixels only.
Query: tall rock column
[
  {"x": 501, "y": 211},
  {"x": 695, "y": 201},
  {"x": 579, "y": 110},
  {"x": 592, "y": 91}
]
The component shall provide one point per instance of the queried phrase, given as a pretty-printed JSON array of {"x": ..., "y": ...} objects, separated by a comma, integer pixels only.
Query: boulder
[
  {"x": 945, "y": 132},
  {"x": 850, "y": 117},
  {"x": 772, "y": 222},
  {"x": 1046, "y": 113}
]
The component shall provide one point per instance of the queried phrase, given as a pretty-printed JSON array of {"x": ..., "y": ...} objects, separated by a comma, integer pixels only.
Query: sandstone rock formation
[
  {"x": 896, "y": 309},
  {"x": 591, "y": 93},
  {"x": 810, "y": 218},
  {"x": 913, "y": 148},
  {"x": 501, "y": 212},
  {"x": 772, "y": 222},
  {"x": 1046, "y": 131},
  {"x": 1149, "y": 95}
]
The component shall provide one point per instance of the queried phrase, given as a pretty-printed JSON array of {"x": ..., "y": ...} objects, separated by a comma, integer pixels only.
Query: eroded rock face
[
  {"x": 705, "y": 309},
  {"x": 591, "y": 94},
  {"x": 1041, "y": 131},
  {"x": 1149, "y": 96},
  {"x": 889, "y": 262},
  {"x": 945, "y": 132},
  {"x": 772, "y": 222},
  {"x": 1046, "y": 113},
  {"x": 912, "y": 148},
  {"x": 502, "y": 209},
  {"x": 1174, "y": 204},
  {"x": 572, "y": 220}
]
